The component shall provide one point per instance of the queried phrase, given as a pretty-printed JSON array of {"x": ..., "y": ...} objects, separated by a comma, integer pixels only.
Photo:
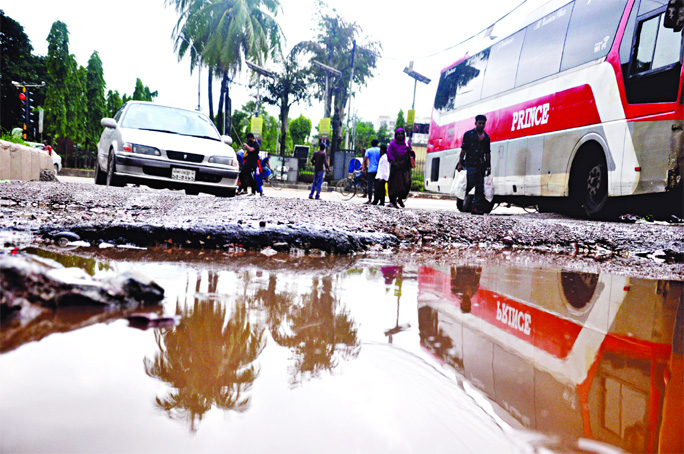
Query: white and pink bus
[{"x": 584, "y": 105}]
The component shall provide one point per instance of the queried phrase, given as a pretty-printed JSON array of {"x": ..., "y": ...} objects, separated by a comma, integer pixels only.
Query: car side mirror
[
  {"x": 108, "y": 123},
  {"x": 227, "y": 140}
]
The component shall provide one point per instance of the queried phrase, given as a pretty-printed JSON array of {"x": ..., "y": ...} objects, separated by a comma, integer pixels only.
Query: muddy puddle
[{"x": 328, "y": 354}]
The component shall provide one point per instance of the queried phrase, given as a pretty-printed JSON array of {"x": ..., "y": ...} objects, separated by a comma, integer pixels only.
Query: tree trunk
[
  {"x": 210, "y": 93},
  {"x": 284, "y": 111},
  {"x": 219, "y": 115},
  {"x": 226, "y": 101}
]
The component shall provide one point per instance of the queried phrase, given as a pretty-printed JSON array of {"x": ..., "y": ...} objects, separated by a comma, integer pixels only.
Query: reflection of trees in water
[
  {"x": 317, "y": 332},
  {"x": 208, "y": 360}
]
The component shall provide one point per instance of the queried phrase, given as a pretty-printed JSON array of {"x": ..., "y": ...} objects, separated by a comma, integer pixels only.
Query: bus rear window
[
  {"x": 592, "y": 30},
  {"x": 446, "y": 90},
  {"x": 543, "y": 46}
]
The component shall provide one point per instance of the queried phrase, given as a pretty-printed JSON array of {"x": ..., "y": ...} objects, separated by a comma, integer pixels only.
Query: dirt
[{"x": 34, "y": 213}]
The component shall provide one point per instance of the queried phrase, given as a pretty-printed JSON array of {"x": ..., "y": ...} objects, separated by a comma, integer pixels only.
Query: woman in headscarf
[{"x": 401, "y": 157}]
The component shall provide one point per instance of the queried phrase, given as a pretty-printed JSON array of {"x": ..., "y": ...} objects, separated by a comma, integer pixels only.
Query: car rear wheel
[
  {"x": 112, "y": 179},
  {"x": 56, "y": 169}
]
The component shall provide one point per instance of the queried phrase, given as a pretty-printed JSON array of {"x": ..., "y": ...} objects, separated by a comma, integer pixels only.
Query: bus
[{"x": 584, "y": 107}]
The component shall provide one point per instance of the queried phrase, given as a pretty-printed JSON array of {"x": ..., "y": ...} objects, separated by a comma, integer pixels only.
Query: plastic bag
[
  {"x": 459, "y": 184},
  {"x": 489, "y": 188}
]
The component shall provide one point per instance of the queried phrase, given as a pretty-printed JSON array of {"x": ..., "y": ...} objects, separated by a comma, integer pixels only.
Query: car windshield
[{"x": 167, "y": 119}]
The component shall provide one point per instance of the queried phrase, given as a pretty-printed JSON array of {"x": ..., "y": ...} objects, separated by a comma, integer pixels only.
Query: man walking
[
  {"x": 320, "y": 163},
  {"x": 370, "y": 167},
  {"x": 475, "y": 158},
  {"x": 251, "y": 162}
]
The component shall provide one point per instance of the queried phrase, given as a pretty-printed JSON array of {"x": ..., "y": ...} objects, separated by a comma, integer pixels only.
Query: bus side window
[
  {"x": 592, "y": 30},
  {"x": 543, "y": 46},
  {"x": 434, "y": 169},
  {"x": 655, "y": 66},
  {"x": 503, "y": 59}
]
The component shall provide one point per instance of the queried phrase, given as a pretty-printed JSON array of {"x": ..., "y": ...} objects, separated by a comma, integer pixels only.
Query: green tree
[
  {"x": 59, "y": 71},
  {"x": 114, "y": 102},
  {"x": 290, "y": 86},
  {"x": 300, "y": 130},
  {"x": 224, "y": 33},
  {"x": 76, "y": 105},
  {"x": 95, "y": 99},
  {"x": 384, "y": 135},
  {"x": 365, "y": 133},
  {"x": 142, "y": 92},
  {"x": 336, "y": 46},
  {"x": 17, "y": 64},
  {"x": 401, "y": 122}
]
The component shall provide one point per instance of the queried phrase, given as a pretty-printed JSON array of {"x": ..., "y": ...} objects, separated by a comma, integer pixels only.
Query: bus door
[{"x": 652, "y": 87}]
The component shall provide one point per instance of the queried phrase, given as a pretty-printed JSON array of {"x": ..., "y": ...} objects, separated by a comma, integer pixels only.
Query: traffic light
[
  {"x": 24, "y": 110},
  {"x": 29, "y": 116}
]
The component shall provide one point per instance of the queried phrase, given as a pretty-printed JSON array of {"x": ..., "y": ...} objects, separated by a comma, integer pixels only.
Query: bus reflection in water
[{"x": 570, "y": 354}]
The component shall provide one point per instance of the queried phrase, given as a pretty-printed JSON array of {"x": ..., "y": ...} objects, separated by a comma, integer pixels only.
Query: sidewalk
[{"x": 86, "y": 173}]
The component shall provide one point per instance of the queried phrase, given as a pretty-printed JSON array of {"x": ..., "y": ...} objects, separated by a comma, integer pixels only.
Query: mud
[{"x": 38, "y": 212}]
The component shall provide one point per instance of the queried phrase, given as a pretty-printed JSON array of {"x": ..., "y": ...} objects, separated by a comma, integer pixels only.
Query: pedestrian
[
  {"x": 370, "y": 166},
  {"x": 320, "y": 163},
  {"x": 241, "y": 163},
  {"x": 401, "y": 158},
  {"x": 47, "y": 147},
  {"x": 475, "y": 158},
  {"x": 251, "y": 163},
  {"x": 381, "y": 177},
  {"x": 266, "y": 169}
]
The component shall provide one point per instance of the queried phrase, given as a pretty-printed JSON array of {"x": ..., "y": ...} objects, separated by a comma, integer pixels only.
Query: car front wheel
[{"x": 112, "y": 179}]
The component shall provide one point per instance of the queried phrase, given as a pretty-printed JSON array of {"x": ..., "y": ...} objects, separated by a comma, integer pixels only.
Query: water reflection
[
  {"x": 317, "y": 329},
  {"x": 340, "y": 355},
  {"x": 572, "y": 354},
  {"x": 209, "y": 360}
]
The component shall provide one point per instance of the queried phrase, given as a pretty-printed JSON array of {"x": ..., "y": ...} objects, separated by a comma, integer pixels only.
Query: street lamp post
[
  {"x": 416, "y": 78},
  {"x": 260, "y": 72}
]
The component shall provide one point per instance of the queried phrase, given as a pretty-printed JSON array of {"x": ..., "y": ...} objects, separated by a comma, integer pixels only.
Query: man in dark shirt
[
  {"x": 475, "y": 158},
  {"x": 251, "y": 161},
  {"x": 320, "y": 163}
]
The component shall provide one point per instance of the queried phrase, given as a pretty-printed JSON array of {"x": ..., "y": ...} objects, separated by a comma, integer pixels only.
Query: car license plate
[{"x": 183, "y": 174}]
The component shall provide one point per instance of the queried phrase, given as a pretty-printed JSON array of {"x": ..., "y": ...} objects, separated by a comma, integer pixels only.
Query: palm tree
[{"x": 223, "y": 33}]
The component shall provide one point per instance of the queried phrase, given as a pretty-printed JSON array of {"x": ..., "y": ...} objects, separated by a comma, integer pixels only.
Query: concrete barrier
[{"x": 19, "y": 162}]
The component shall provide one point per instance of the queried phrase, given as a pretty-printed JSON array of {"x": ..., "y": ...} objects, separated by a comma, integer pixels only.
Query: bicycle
[
  {"x": 355, "y": 182},
  {"x": 276, "y": 180}
]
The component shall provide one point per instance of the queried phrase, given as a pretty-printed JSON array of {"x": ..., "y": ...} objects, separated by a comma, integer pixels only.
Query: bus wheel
[
  {"x": 596, "y": 191},
  {"x": 590, "y": 194}
]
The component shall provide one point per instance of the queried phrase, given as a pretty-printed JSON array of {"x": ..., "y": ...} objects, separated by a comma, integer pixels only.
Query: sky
[{"x": 133, "y": 39}]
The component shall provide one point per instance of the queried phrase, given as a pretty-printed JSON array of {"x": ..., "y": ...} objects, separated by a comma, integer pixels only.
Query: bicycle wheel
[
  {"x": 346, "y": 188},
  {"x": 275, "y": 183}
]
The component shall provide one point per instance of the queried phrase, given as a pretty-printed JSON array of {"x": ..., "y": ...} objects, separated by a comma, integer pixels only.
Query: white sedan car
[{"x": 165, "y": 147}]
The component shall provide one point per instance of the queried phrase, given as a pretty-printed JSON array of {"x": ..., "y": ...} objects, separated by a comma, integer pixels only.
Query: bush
[{"x": 417, "y": 183}]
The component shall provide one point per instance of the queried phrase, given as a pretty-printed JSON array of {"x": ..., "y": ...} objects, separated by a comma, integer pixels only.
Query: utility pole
[
  {"x": 351, "y": 83},
  {"x": 416, "y": 78},
  {"x": 328, "y": 71}
]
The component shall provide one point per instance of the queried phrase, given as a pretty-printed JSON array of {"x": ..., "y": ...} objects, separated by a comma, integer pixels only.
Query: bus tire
[{"x": 589, "y": 195}]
